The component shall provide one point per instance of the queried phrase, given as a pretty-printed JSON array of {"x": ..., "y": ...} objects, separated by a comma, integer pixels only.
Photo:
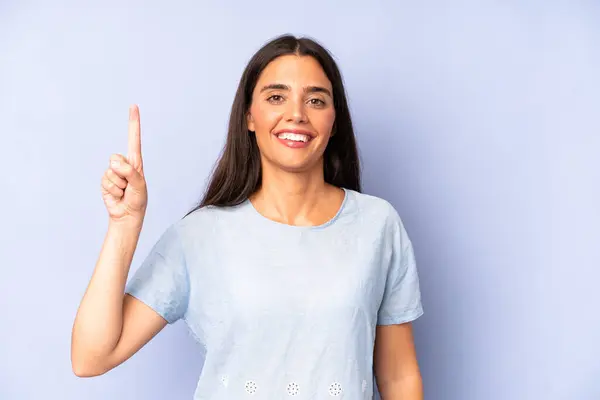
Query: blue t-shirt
[{"x": 284, "y": 311}]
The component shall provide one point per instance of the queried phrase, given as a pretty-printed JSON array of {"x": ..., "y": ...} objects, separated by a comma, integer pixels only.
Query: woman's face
[{"x": 292, "y": 113}]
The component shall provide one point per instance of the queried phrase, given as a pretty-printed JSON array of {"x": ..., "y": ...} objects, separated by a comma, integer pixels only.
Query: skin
[
  {"x": 395, "y": 360},
  {"x": 293, "y": 92}
]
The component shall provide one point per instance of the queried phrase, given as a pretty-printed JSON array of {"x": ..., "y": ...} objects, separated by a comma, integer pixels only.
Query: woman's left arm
[{"x": 396, "y": 367}]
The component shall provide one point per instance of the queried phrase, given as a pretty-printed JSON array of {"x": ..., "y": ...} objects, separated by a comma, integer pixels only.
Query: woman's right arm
[{"x": 111, "y": 326}]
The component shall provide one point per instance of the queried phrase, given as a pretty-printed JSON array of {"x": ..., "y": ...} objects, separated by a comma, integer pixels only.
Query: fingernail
[{"x": 114, "y": 163}]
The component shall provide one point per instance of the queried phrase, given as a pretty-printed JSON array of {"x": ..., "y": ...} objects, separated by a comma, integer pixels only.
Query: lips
[{"x": 294, "y": 138}]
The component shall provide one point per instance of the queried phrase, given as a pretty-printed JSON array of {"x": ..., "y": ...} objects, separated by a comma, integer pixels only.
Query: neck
[{"x": 290, "y": 197}]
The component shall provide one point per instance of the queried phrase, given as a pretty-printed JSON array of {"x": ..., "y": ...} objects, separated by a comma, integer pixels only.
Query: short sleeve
[
  {"x": 162, "y": 280},
  {"x": 401, "y": 301}
]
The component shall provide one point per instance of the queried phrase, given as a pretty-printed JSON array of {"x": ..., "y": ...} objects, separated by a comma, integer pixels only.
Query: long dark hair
[{"x": 237, "y": 173}]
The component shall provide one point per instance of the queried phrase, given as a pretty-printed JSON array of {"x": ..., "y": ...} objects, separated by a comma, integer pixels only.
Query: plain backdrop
[{"x": 478, "y": 120}]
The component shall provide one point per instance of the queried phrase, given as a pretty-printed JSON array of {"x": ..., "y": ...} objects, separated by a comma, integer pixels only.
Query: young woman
[{"x": 295, "y": 282}]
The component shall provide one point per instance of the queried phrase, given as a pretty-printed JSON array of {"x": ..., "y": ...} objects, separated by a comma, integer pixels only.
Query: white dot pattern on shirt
[
  {"x": 251, "y": 387},
  {"x": 225, "y": 380},
  {"x": 364, "y": 385},
  {"x": 293, "y": 389},
  {"x": 335, "y": 389}
]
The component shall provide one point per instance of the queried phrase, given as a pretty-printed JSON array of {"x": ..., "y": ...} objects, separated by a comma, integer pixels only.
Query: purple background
[{"x": 478, "y": 120}]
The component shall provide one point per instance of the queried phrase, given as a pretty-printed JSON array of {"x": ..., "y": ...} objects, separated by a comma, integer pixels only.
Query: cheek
[
  {"x": 323, "y": 122},
  {"x": 265, "y": 118}
]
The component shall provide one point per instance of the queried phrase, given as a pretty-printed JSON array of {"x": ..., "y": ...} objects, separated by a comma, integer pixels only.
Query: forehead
[{"x": 295, "y": 71}]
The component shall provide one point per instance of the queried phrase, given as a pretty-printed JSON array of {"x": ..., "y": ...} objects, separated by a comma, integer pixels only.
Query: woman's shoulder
[
  {"x": 206, "y": 219},
  {"x": 380, "y": 214},
  {"x": 375, "y": 207},
  {"x": 212, "y": 211}
]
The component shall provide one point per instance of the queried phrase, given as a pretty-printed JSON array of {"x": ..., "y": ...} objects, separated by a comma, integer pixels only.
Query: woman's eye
[
  {"x": 275, "y": 98},
  {"x": 317, "y": 102}
]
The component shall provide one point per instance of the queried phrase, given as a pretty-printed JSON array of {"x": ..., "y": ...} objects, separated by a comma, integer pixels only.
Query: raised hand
[{"x": 123, "y": 185}]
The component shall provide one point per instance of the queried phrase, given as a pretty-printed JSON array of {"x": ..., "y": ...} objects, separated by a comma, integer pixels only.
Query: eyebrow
[{"x": 307, "y": 89}]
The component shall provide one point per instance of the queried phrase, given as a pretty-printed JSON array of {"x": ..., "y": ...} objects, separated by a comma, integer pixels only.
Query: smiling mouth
[{"x": 294, "y": 137}]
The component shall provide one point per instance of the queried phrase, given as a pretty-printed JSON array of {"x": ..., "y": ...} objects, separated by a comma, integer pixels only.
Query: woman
[{"x": 295, "y": 282}]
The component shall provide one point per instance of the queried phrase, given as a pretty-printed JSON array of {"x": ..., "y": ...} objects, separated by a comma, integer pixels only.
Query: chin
[{"x": 297, "y": 166}]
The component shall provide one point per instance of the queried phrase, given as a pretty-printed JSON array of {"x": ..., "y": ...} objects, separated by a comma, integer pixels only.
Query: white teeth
[{"x": 297, "y": 137}]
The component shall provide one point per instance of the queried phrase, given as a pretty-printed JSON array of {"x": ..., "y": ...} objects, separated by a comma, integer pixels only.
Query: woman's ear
[{"x": 250, "y": 121}]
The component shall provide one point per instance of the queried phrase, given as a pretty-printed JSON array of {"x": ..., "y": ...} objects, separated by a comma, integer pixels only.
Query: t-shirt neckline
[{"x": 332, "y": 220}]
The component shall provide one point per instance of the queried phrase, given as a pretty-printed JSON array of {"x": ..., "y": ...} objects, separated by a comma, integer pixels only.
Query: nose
[{"x": 295, "y": 112}]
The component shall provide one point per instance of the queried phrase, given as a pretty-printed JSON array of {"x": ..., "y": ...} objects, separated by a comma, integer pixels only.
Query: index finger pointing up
[{"x": 134, "y": 152}]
